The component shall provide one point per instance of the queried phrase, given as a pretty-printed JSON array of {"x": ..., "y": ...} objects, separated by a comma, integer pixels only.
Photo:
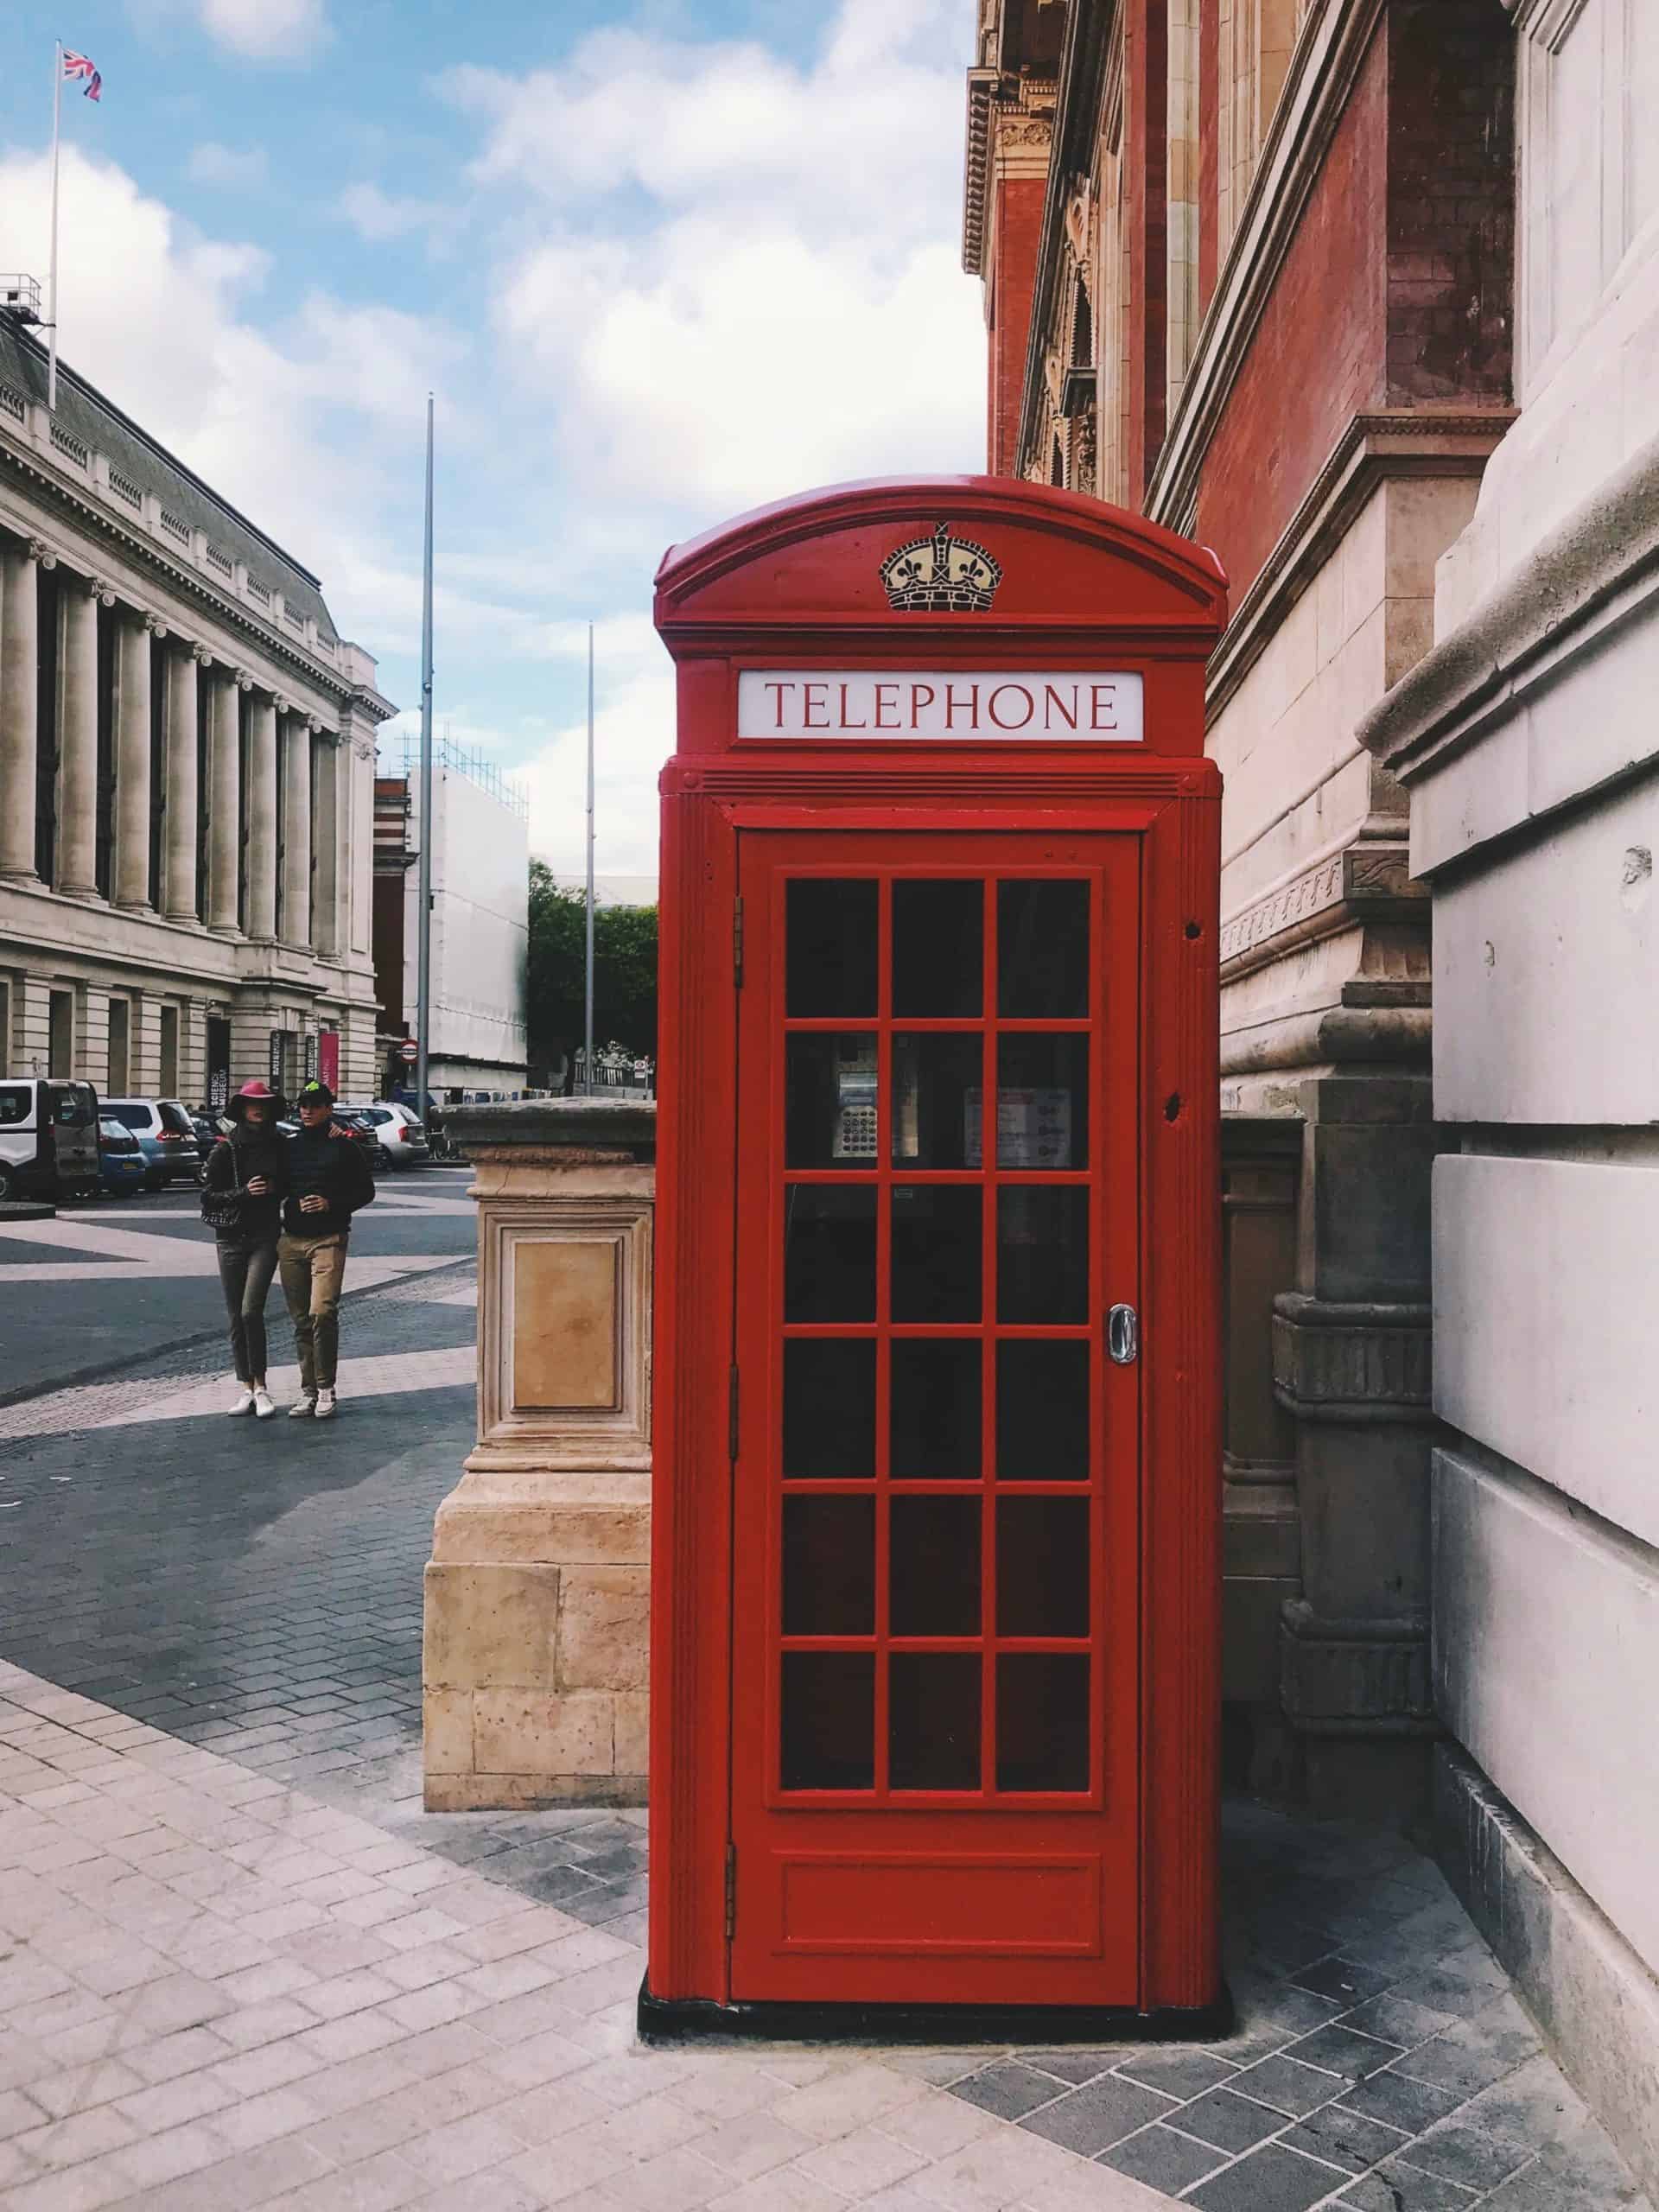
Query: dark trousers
[{"x": 245, "y": 1274}]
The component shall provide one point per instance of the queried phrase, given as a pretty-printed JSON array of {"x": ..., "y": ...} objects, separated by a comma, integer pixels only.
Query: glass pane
[
  {"x": 1042, "y": 951},
  {"x": 936, "y": 1410},
  {"x": 828, "y": 1728},
  {"x": 833, "y": 930},
  {"x": 1042, "y": 1721},
  {"x": 829, "y": 1253},
  {"x": 829, "y": 1410},
  {"x": 938, "y": 948},
  {"x": 829, "y": 1565},
  {"x": 936, "y": 1086},
  {"x": 1042, "y": 1101},
  {"x": 1042, "y": 1566},
  {"x": 830, "y": 1100},
  {"x": 933, "y": 1566},
  {"x": 1042, "y": 1412},
  {"x": 1042, "y": 1254},
  {"x": 933, "y": 1719},
  {"x": 936, "y": 1256}
]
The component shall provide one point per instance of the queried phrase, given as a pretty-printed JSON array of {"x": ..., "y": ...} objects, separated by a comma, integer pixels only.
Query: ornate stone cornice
[
  {"x": 1335, "y": 1361},
  {"x": 41, "y": 551},
  {"x": 156, "y": 628},
  {"x": 1344, "y": 886}
]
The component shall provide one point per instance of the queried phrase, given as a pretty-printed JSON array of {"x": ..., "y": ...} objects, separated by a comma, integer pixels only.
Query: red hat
[{"x": 256, "y": 1090}]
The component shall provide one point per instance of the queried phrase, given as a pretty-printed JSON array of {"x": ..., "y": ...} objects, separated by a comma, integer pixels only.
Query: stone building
[
  {"x": 187, "y": 765},
  {"x": 1266, "y": 300},
  {"x": 1364, "y": 294},
  {"x": 480, "y": 921}
]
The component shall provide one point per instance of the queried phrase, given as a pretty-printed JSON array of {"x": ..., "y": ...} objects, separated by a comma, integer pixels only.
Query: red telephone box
[{"x": 936, "y": 1581}]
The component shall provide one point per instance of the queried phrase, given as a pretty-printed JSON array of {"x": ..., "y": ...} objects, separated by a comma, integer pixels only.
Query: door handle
[{"x": 1123, "y": 1335}]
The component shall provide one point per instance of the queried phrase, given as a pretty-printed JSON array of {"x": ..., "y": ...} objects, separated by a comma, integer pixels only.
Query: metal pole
[
  {"x": 589, "y": 972},
  {"x": 424, "y": 935},
  {"x": 52, "y": 277}
]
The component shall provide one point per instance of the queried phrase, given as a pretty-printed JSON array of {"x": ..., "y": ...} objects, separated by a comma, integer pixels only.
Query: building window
[
  {"x": 118, "y": 1076},
  {"x": 1589, "y": 82},
  {"x": 1057, "y": 464},
  {"x": 46, "y": 761},
  {"x": 169, "y": 1076},
  {"x": 61, "y": 1034},
  {"x": 160, "y": 662},
  {"x": 5, "y": 1027},
  {"x": 204, "y": 795},
  {"x": 104, "y": 835}
]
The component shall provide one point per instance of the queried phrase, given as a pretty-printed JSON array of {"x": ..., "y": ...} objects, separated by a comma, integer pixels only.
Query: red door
[{"x": 935, "y": 1576}]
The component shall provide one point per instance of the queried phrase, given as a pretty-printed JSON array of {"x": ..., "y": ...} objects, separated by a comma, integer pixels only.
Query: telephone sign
[{"x": 936, "y": 1496}]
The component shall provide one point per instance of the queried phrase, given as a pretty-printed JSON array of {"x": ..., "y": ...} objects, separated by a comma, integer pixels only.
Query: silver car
[
  {"x": 398, "y": 1130},
  {"x": 166, "y": 1134}
]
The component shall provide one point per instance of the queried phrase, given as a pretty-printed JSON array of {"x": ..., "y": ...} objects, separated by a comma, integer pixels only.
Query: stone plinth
[{"x": 536, "y": 1592}]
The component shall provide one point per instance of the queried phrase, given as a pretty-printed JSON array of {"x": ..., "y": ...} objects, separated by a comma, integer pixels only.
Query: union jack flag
[{"x": 80, "y": 64}]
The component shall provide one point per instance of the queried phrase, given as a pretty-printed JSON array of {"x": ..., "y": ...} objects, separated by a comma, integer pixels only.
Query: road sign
[{"x": 408, "y": 1052}]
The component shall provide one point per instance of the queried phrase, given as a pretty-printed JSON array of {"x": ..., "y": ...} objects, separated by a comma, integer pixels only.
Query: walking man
[{"x": 328, "y": 1180}]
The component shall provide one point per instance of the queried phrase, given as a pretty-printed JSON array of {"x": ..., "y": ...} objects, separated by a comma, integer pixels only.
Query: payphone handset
[{"x": 855, "y": 1101}]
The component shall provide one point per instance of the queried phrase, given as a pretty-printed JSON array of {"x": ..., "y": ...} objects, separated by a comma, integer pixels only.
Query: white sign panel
[{"x": 873, "y": 703}]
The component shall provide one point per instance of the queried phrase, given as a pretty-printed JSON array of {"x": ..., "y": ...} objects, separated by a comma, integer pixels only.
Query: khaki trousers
[{"x": 313, "y": 1269}]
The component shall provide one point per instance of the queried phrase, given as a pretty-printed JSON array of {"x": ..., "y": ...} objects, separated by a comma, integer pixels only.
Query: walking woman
[{"x": 246, "y": 1182}]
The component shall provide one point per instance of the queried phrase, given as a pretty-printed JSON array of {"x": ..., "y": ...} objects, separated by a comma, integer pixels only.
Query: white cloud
[
  {"x": 791, "y": 311},
  {"x": 267, "y": 30},
  {"x": 224, "y": 167},
  {"x": 376, "y": 216}
]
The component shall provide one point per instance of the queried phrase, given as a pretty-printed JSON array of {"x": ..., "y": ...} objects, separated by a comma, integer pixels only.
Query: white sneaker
[
  {"x": 263, "y": 1407},
  {"x": 303, "y": 1409},
  {"x": 325, "y": 1405},
  {"x": 245, "y": 1399}
]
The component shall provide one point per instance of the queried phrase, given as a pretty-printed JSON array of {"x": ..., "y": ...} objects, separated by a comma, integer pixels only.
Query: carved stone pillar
[
  {"x": 183, "y": 799},
  {"x": 77, "y": 869},
  {"x": 296, "y": 834},
  {"x": 332, "y": 757},
  {"x": 130, "y": 884},
  {"x": 536, "y": 1595},
  {"x": 1352, "y": 1364},
  {"x": 19, "y": 705},
  {"x": 224, "y": 802},
  {"x": 262, "y": 821}
]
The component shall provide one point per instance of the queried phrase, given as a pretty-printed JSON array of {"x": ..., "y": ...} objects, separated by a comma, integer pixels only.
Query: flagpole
[
  {"x": 423, "y": 934},
  {"x": 51, "y": 279},
  {"x": 589, "y": 962}
]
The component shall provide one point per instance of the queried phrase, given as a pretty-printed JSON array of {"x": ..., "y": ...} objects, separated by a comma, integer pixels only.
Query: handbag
[{"x": 223, "y": 1209}]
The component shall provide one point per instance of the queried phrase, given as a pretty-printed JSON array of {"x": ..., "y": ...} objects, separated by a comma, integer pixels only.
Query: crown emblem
[{"x": 941, "y": 574}]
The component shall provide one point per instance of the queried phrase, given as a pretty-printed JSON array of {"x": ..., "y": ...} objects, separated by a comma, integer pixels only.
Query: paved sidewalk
[{"x": 217, "y": 1992}]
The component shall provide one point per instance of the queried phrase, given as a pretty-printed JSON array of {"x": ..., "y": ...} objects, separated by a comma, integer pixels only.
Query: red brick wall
[
  {"x": 1317, "y": 356},
  {"x": 1017, "y": 223},
  {"x": 1450, "y": 218}
]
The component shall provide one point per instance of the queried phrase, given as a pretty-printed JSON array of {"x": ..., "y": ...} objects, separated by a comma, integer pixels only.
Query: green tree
[{"x": 624, "y": 974}]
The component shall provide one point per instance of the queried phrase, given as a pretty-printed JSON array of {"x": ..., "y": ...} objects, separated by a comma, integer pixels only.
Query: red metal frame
[{"x": 1083, "y": 587}]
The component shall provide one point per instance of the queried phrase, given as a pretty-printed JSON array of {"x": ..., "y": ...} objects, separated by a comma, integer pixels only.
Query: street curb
[{"x": 105, "y": 1368}]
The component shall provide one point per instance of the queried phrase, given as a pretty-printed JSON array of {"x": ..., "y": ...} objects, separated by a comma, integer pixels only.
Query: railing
[
  {"x": 616, "y": 1070},
  {"x": 221, "y": 563},
  {"x": 124, "y": 488},
  {"x": 258, "y": 591},
  {"x": 13, "y": 404},
  {"x": 67, "y": 442},
  {"x": 175, "y": 526}
]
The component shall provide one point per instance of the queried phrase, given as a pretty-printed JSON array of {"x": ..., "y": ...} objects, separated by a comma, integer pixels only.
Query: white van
[{"x": 48, "y": 1139}]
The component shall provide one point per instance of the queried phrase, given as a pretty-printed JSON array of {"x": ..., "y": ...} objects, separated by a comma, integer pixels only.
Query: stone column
[
  {"x": 224, "y": 802},
  {"x": 20, "y": 617},
  {"x": 536, "y": 1595},
  {"x": 130, "y": 876},
  {"x": 183, "y": 800},
  {"x": 262, "y": 821},
  {"x": 326, "y": 829},
  {"x": 296, "y": 834},
  {"x": 77, "y": 869}
]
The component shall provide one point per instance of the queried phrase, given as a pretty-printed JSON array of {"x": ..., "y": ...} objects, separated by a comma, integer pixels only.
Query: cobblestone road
[{"x": 239, "y": 1966}]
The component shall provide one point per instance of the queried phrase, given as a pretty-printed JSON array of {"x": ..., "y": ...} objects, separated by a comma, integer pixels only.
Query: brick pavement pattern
[{"x": 217, "y": 1992}]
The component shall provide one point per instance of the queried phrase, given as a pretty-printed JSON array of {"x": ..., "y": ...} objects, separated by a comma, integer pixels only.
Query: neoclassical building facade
[{"x": 187, "y": 771}]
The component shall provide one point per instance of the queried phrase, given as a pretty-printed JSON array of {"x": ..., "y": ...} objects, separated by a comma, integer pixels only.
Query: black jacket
[
  {"x": 246, "y": 1154},
  {"x": 334, "y": 1166}
]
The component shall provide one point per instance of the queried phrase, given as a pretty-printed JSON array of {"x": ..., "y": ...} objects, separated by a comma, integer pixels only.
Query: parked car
[
  {"x": 398, "y": 1131},
  {"x": 167, "y": 1134},
  {"x": 48, "y": 1139},
  {"x": 123, "y": 1168}
]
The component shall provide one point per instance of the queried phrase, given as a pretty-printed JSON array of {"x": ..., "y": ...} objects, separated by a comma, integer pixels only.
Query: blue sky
[{"x": 659, "y": 262}]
